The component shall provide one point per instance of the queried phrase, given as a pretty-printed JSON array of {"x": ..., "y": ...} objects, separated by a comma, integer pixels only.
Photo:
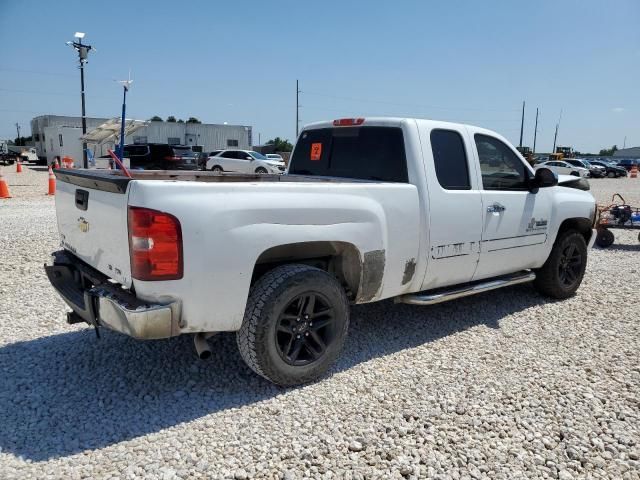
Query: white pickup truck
[{"x": 415, "y": 210}]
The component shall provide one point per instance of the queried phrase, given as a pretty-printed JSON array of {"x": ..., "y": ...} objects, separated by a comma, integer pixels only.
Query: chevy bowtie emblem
[{"x": 83, "y": 225}]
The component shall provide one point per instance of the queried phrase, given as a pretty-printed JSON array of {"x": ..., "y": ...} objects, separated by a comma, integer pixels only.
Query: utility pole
[
  {"x": 18, "y": 130},
  {"x": 555, "y": 137},
  {"x": 522, "y": 124},
  {"x": 624, "y": 144},
  {"x": 297, "y": 108},
  {"x": 535, "y": 133},
  {"x": 83, "y": 53}
]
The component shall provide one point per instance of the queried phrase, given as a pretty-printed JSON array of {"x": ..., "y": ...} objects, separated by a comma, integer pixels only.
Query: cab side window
[
  {"x": 229, "y": 154},
  {"x": 501, "y": 168},
  {"x": 450, "y": 160}
]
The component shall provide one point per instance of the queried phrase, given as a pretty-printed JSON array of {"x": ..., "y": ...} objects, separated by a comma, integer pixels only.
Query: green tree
[
  {"x": 193, "y": 120},
  {"x": 607, "y": 152},
  {"x": 21, "y": 141},
  {"x": 280, "y": 145},
  {"x": 180, "y": 120},
  {"x": 171, "y": 119},
  {"x": 155, "y": 118}
]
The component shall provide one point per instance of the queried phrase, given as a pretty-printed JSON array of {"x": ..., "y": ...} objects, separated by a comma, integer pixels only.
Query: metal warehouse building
[
  {"x": 633, "y": 152},
  {"x": 56, "y": 135}
]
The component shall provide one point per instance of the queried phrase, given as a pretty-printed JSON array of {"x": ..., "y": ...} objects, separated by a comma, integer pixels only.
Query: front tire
[
  {"x": 295, "y": 324},
  {"x": 605, "y": 238},
  {"x": 217, "y": 169},
  {"x": 261, "y": 170},
  {"x": 562, "y": 273},
  {"x": 611, "y": 174}
]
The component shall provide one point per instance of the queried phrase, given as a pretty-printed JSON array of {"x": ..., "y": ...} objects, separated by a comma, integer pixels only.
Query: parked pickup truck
[{"x": 418, "y": 211}]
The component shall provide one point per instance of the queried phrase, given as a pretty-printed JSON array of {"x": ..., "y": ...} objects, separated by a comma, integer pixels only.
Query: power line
[
  {"x": 40, "y": 92},
  {"x": 383, "y": 102},
  {"x": 53, "y": 74},
  {"x": 340, "y": 110}
]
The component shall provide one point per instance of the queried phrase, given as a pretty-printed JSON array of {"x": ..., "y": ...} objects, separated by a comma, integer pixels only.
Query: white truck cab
[{"x": 416, "y": 210}]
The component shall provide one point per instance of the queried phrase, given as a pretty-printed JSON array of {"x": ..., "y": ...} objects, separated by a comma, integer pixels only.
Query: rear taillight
[
  {"x": 173, "y": 159},
  {"x": 155, "y": 245},
  {"x": 348, "y": 122}
]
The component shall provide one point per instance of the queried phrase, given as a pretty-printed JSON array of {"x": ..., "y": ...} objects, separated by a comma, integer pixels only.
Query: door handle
[{"x": 496, "y": 208}]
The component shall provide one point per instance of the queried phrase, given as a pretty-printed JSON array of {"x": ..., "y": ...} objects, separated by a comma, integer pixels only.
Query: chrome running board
[{"x": 439, "y": 295}]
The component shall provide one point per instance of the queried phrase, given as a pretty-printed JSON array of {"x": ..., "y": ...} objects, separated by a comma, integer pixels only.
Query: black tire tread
[
  {"x": 259, "y": 295},
  {"x": 546, "y": 281}
]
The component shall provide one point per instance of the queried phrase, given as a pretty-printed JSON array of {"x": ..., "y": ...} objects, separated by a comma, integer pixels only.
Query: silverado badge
[{"x": 83, "y": 225}]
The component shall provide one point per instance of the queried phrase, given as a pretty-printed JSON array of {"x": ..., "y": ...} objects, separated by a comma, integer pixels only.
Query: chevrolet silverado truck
[{"x": 414, "y": 210}]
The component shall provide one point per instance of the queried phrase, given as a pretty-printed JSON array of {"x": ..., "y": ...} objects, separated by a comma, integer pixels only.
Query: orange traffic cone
[
  {"x": 52, "y": 182},
  {"x": 634, "y": 172},
  {"x": 4, "y": 188},
  {"x": 18, "y": 167}
]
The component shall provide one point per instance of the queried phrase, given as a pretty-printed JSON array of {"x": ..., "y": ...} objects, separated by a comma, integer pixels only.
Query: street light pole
[
  {"x": 84, "y": 113},
  {"x": 125, "y": 84},
  {"x": 83, "y": 53}
]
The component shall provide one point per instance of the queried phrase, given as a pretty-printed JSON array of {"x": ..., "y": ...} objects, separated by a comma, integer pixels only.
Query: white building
[{"x": 56, "y": 135}]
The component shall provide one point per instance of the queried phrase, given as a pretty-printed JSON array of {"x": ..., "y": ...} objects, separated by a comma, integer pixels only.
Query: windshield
[{"x": 258, "y": 156}]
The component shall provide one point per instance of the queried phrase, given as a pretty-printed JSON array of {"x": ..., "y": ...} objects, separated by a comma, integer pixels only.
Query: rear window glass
[
  {"x": 183, "y": 152},
  {"x": 135, "y": 150},
  {"x": 450, "y": 160},
  {"x": 370, "y": 153}
]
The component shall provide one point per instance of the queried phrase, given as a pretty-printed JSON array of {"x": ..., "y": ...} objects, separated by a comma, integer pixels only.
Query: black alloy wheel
[
  {"x": 570, "y": 265},
  {"x": 305, "y": 329}
]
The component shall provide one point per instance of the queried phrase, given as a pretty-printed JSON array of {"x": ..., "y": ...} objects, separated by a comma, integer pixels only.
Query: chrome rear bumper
[{"x": 101, "y": 303}]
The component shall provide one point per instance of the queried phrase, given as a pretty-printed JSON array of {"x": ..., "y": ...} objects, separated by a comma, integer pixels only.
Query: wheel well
[
  {"x": 340, "y": 259},
  {"x": 582, "y": 225}
]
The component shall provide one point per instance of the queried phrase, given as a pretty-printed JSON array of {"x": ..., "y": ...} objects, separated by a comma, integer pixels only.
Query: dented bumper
[{"x": 99, "y": 302}]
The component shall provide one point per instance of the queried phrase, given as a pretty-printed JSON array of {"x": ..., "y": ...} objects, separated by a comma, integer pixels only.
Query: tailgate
[{"x": 91, "y": 209}]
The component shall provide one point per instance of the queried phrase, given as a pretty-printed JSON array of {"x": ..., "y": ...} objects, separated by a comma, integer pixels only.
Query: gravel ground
[{"x": 504, "y": 385}]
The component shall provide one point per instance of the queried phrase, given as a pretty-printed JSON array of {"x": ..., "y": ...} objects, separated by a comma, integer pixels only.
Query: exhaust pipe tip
[{"x": 202, "y": 346}]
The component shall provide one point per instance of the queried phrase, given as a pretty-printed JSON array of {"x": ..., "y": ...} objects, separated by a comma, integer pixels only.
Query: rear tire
[
  {"x": 217, "y": 169},
  {"x": 611, "y": 174},
  {"x": 278, "y": 339},
  {"x": 562, "y": 273},
  {"x": 605, "y": 238}
]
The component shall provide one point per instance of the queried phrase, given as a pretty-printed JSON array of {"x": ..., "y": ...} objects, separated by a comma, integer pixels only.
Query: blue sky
[{"x": 237, "y": 62}]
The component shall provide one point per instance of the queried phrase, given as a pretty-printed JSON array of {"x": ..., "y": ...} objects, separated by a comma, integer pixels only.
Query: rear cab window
[
  {"x": 360, "y": 152},
  {"x": 450, "y": 159}
]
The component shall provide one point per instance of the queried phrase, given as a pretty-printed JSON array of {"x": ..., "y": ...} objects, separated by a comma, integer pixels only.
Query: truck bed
[{"x": 115, "y": 181}]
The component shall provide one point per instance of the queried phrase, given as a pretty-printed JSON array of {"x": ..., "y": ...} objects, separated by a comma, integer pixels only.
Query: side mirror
[
  {"x": 248, "y": 157},
  {"x": 544, "y": 177}
]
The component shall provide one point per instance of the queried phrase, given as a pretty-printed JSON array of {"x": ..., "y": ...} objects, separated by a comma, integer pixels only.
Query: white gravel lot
[{"x": 503, "y": 385}]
